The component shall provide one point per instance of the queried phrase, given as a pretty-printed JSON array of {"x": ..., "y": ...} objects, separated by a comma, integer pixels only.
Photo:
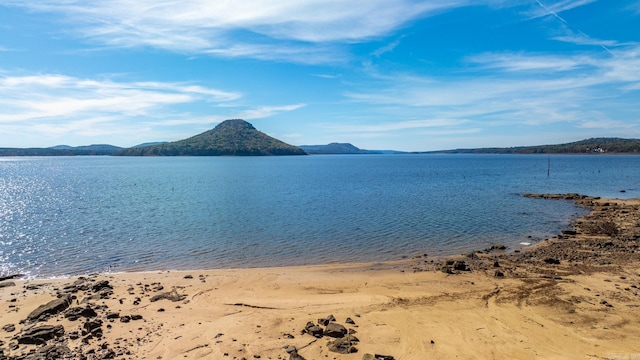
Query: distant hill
[
  {"x": 342, "y": 148},
  {"x": 95, "y": 147},
  {"x": 231, "y": 137},
  {"x": 588, "y": 146},
  {"x": 150, "y": 144},
  {"x": 61, "y": 150}
]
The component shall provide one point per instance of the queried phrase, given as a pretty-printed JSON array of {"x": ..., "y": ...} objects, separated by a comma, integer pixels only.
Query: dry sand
[{"x": 585, "y": 307}]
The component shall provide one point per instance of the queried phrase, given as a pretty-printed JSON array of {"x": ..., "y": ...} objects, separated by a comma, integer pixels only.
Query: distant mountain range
[
  {"x": 588, "y": 146},
  {"x": 61, "y": 150},
  {"x": 341, "y": 148},
  {"x": 238, "y": 137},
  {"x": 231, "y": 137}
]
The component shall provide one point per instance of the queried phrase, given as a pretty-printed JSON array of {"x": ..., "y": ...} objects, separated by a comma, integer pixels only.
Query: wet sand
[{"x": 575, "y": 296}]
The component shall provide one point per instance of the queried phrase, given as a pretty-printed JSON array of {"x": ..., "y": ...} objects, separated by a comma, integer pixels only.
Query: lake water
[{"x": 74, "y": 215}]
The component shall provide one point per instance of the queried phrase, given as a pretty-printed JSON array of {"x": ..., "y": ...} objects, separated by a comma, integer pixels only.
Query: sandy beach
[{"x": 574, "y": 296}]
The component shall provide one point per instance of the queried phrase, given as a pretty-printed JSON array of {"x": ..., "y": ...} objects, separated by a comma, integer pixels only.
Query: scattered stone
[
  {"x": 377, "y": 357},
  {"x": 53, "y": 307},
  {"x": 75, "y": 313},
  {"x": 335, "y": 330},
  {"x": 7, "y": 284},
  {"x": 90, "y": 326},
  {"x": 460, "y": 266},
  {"x": 40, "y": 334},
  {"x": 552, "y": 261},
  {"x": 113, "y": 315},
  {"x": 9, "y": 277},
  {"x": 498, "y": 273},
  {"x": 101, "y": 285},
  {"x": 350, "y": 321},
  {"x": 344, "y": 345},
  {"x": 53, "y": 351},
  {"x": 313, "y": 330},
  {"x": 327, "y": 320},
  {"x": 170, "y": 295},
  {"x": 9, "y": 328}
]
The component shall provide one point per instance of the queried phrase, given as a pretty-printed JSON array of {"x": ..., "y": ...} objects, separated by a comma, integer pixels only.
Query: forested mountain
[{"x": 231, "y": 137}]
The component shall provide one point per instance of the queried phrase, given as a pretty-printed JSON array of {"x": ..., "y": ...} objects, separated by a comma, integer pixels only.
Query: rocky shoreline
[{"x": 136, "y": 316}]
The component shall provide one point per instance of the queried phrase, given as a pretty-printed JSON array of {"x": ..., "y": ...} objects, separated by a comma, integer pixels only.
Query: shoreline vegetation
[{"x": 572, "y": 296}]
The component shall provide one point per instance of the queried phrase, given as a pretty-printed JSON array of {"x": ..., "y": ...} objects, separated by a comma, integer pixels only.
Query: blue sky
[{"x": 381, "y": 74}]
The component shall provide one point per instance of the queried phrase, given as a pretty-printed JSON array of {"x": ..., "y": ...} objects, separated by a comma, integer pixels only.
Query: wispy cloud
[
  {"x": 519, "y": 62},
  {"x": 55, "y": 96},
  {"x": 387, "y": 48},
  {"x": 555, "y": 8},
  {"x": 267, "y": 111},
  {"x": 307, "y": 31},
  {"x": 55, "y": 105},
  {"x": 516, "y": 90}
]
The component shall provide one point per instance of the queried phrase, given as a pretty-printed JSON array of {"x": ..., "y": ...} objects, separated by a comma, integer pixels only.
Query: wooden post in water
[{"x": 549, "y": 166}]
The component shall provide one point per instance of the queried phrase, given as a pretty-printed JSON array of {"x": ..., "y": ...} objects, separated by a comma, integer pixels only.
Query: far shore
[{"x": 575, "y": 296}]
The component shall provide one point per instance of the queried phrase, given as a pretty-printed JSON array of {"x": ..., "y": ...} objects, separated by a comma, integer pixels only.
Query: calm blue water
[{"x": 74, "y": 215}]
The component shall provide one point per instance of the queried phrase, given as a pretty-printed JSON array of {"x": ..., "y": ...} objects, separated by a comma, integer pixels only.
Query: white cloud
[
  {"x": 57, "y": 96},
  {"x": 522, "y": 89},
  {"x": 54, "y": 105},
  {"x": 400, "y": 125},
  {"x": 519, "y": 62},
  {"x": 306, "y": 31},
  {"x": 267, "y": 111}
]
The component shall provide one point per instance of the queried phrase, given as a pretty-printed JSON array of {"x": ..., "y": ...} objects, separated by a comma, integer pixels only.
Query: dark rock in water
[
  {"x": 40, "y": 334},
  {"x": 335, "y": 330},
  {"x": 53, "y": 307},
  {"x": 7, "y": 284},
  {"x": 342, "y": 346},
  {"x": 314, "y": 330},
  {"x": 9, "y": 328},
  {"x": 552, "y": 261},
  {"x": 78, "y": 312}
]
